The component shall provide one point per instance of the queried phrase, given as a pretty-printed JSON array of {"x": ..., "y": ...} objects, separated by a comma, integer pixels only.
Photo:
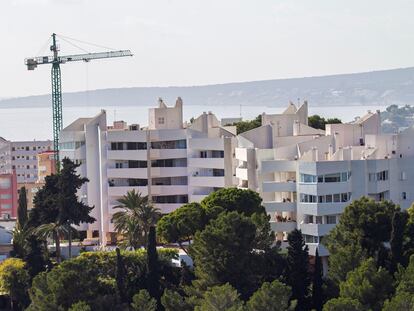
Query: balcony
[
  {"x": 168, "y": 153},
  {"x": 118, "y": 191},
  {"x": 272, "y": 206},
  {"x": 322, "y": 250},
  {"x": 206, "y": 162},
  {"x": 127, "y": 173},
  {"x": 279, "y": 226},
  {"x": 275, "y": 186},
  {"x": 316, "y": 229},
  {"x": 166, "y": 208},
  {"x": 197, "y": 197},
  {"x": 278, "y": 166},
  {"x": 322, "y": 209},
  {"x": 206, "y": 143},
  {"x": 168, "y": 171},
  {"x": 127, "y": 155},
  {"x": 169, "y": 189},
  {"x": 207, "y": 181}
]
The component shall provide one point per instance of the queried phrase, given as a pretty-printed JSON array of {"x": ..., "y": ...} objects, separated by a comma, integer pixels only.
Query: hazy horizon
[{"x": 192, "y": 42}]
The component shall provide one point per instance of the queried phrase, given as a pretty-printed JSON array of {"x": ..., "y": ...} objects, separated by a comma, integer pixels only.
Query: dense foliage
[
  {"x": 394, "y": 118},
  {"x": 244, "y": 126},
  {"x": 319, "y": 122},
  {"x": 137, "y": 214},
  {"x": 237, "y": 265}
]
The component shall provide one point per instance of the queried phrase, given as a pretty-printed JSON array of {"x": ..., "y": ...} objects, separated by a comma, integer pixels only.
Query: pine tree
[
  {"x": 120, "y": 275},
  {"x": 153, "y": 285},
  {"x": 297, "y": 269},
  {"x": 22, "y": 208},
  {"x": 317, "y": 282}
]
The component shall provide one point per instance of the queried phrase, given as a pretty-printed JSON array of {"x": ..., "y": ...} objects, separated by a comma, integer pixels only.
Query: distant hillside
[{"x": 372, "y": 88}]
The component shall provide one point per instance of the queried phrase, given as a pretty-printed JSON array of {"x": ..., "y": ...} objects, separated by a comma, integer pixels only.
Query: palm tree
[
  {"x": 137, "y": 216},
  {"x": 55, "y": 230}
]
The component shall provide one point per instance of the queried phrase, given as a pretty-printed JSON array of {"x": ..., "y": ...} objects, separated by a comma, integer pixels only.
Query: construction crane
[{"x": 56, "y": 60}]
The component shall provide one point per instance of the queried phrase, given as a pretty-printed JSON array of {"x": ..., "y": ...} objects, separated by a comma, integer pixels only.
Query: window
[
  {"x": 5, "y": 183},
  {"x": 404, "y": 195},
  {"x": 333, "y": 177},
  {"x": 218, "y": 172},
  {"x": 5, "y": 196},
  {"x": 382, "y": 175},
  {"x": 328, "y": 198},
  {"x": 307, "y": 198},
  {"x": 172, "y": 144},
  {"x": 331, "y": 219},
  {"x": 173, "y": 199},
  {"x": 27, "y": 148},
  {"x": 306, "y": 178},
  {"x": 318, "y": 220},
  {"x": 320, "y": 178},
  {"x": 161, "y": 120},
  {"x": 310, "y": 238},
  {"x": 336, "y": 197},
  {"x": 345, "y": 197},
  {"x": 403, "y": 176},
  {"x": 6, "y": 206},
  {"x": 203, "y": 154}
]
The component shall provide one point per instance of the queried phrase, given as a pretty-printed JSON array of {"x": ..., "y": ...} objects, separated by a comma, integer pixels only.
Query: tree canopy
[
  {"x": 244, "y": 126},
  {"x": 319, "y": 122}
]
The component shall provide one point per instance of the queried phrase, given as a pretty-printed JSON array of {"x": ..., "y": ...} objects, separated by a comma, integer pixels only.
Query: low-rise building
[{"x": 8, "y": 195}]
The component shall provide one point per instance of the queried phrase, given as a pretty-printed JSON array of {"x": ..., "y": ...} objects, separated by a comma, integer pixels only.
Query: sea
[{"x": 36, "y": 123}]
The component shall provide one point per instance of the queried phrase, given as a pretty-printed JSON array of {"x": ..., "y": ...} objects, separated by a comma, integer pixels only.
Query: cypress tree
[
  {"x": 120, "y": 276},
  {"x": 399, "y": 221},
  {"x": 153, "y": 285},
  {"x": 317, "y": 282},
  {"x": 22, "y": 208},
  {"x": 297, "y": 269}
]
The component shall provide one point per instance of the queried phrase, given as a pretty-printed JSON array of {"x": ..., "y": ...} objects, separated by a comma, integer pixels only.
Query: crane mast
[
  {"x": 56, "y": 78},
  {"x": 56, "y": 99}
]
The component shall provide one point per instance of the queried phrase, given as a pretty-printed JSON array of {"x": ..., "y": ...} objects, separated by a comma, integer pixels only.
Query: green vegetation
[
  {"x": 296, "y": 275},
  {"x": 394, "y": 118},
  {"x": 319, "y": 122},
  {"x": 14, "y": 280},
  {"x": 244, "y": 126},
  {"x": 237, "y": 265},
  {"x": 134, "y": 220}
]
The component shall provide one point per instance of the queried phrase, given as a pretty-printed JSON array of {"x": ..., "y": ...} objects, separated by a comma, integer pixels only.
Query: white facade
[
  {"x": 172, "y": 163},
  {"x": 21, "y": 156},
  {"x": 306, "y": 176}
]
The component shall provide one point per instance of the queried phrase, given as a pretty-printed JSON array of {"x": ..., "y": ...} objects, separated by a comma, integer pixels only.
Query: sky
[{"x": 194, "y": 42}]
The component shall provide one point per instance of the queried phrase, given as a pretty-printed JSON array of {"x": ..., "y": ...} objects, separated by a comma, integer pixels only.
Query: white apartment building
[
  {"x": 169, "y": 160},
  {"x": 21, "y": 156},
  {"x": 307, "y": 177}
]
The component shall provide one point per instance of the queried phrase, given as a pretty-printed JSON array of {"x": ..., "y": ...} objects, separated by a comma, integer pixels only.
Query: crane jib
[{"x": 56, "y": 60}]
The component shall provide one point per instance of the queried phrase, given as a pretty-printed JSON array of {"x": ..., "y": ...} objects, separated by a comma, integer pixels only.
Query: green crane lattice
[{"x": 56, "y": 60}]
